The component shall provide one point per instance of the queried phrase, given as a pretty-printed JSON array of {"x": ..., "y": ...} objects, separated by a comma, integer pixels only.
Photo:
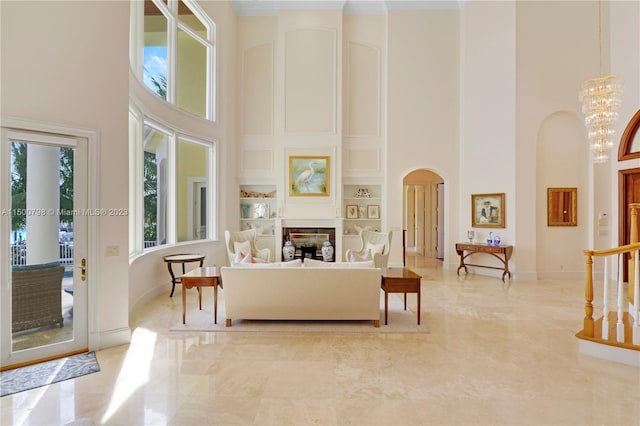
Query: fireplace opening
[{"x": 308, "y": 241}]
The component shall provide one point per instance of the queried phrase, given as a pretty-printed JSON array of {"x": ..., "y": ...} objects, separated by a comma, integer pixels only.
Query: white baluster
[
  {"x": 605, "y": 306},
  {"x": 636, "y": 303},
  {"x": 620, "y": 324}
]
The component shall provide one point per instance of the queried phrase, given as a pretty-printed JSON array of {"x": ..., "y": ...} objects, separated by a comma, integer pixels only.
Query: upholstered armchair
[
  {"x": 240, "y": 241},
  {"x": 374, "y": 246}
]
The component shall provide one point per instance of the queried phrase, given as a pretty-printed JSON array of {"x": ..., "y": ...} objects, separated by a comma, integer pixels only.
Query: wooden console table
[{"x": 502, "y": 253}]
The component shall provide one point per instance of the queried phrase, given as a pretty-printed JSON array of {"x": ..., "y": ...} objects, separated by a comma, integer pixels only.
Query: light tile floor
[{"x": 497, "y": 354}]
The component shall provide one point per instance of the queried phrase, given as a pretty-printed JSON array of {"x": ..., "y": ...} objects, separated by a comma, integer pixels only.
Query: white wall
[
  {"x": 423, "y": 111},
  {"x": 65, "y": 63},
  {"x": 488, "y": 118},
  {"x": 557, "y": 49}
]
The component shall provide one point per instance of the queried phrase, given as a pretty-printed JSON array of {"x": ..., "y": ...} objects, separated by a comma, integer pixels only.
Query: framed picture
[
  {"x": 309, "y": 176},
  {"x": 352, "y": 211},
  {"x": 373, "y": 212},
  {"x": 562, "y": 206},
  {"x": 487, "y": 210},
  {"x": 260, "y": 211}
]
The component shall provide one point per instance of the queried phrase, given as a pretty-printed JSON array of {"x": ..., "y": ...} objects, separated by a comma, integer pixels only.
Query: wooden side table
[
  {"x": 502, "y": 253},
  {"x": 181, "y": 259},
  {"x": 201, "y": 277},
  {"x": 399, "y": 280}
]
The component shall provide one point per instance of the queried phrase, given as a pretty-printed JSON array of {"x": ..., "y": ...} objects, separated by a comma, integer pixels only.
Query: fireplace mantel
[{"x": 310, "y": 223}]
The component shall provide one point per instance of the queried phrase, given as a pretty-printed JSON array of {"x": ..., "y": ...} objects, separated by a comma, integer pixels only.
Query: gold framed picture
[
  {"x": 309, "y": 176},
  {"x": 487, "y": 210},
  {"x": 562, "y": 206}
]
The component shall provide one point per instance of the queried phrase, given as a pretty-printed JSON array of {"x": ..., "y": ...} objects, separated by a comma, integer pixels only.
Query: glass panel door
[{"x": 44, "y": 228}]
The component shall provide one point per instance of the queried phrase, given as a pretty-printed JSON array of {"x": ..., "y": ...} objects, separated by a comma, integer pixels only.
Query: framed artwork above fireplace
[{"x": 309, "y": 175}]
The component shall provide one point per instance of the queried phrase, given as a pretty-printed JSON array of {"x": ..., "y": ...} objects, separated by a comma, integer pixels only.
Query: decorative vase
[
  {"x": 288, "y": 251},
  {"x": 496, "y": 240},
  {"x": 327, "y": 251},
  {"x": 470, "y": 235},
  {"x": 245, "y": 210}
]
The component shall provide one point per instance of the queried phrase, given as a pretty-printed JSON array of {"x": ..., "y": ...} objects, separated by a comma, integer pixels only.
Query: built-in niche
[{"x": 308, "y": 241}]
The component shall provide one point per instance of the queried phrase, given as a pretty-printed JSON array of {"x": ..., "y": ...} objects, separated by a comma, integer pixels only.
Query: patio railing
[{"x": 18, "y": 254}]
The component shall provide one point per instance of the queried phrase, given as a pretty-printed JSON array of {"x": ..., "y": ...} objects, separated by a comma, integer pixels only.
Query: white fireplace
[{"x": 307, "y": 235}]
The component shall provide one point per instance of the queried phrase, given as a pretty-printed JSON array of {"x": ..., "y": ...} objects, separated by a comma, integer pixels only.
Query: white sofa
[{"x": 302, "y": 293}]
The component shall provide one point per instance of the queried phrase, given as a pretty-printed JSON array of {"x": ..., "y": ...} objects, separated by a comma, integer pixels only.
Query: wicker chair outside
[{"x": 36, "y": 296}]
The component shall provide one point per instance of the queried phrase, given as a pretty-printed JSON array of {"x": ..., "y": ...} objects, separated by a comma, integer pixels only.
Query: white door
[
  {"x": 411, "y": 217},
  {"x": 440, "y": 244},
  {"x": 420, "y": 218},
  {"x": 43, "y": 234}
]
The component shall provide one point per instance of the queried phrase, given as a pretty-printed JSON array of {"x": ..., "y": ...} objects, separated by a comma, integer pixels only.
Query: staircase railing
[{"x": 623, "y": 302}]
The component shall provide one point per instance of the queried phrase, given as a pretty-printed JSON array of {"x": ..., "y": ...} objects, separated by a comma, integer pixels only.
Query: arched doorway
[{"x": 423, "y": 214}]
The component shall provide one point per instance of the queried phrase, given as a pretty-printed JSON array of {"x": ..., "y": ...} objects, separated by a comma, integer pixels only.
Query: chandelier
[{"x": 600, "y": 98}]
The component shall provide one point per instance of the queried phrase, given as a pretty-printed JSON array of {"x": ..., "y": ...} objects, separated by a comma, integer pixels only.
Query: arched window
[{"x": 630, "y": 140}]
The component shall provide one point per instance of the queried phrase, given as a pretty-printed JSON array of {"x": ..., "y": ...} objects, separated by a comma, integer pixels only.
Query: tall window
[
  {"x": 172, "y": 174},
  {"x": 176, "y": 59},
  {"x": 154, "y": 186},
  {"x": 172, "y": 181}
]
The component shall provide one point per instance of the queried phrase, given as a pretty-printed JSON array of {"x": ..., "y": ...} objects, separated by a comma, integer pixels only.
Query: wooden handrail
[{"x": 615, "y": 250}]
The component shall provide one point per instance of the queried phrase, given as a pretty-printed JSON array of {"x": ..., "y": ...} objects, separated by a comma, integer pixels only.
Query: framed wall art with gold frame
[
  {"x": 487, "y": 211},
  {"x": 309, "y": 175},
  {"x": 562, "y": 206}
]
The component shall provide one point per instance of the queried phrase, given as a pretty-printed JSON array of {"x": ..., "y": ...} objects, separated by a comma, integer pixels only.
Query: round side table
[{"x": 182, "y": 259}]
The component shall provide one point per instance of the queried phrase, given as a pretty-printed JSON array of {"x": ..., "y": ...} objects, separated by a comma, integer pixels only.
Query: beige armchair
[
  {"x": 379, "y": 245},
  {"x": 234, "y": 239}
]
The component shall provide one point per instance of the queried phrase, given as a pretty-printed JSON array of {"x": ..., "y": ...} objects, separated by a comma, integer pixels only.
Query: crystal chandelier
[{"x": 600, "y": 98}]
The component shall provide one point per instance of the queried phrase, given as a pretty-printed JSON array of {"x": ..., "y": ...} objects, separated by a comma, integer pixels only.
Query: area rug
[
  {"x": 46, "y": 373},
  {"x": 399, "y": 320}
]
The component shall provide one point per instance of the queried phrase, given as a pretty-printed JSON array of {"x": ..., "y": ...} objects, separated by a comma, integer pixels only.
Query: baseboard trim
[
  {"x": 609, "y": 353},
  {"x": 110, "y": 338}
]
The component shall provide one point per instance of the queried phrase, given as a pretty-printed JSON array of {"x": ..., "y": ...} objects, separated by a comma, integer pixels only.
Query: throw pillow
[
  {"x": 363, "y": 264},
  {"x": 291, "y": 264},
  {"x": 255, "y": 265},
  {"x": 246, "y": 258},
  {"x": 375, "y": 248},
  {"x": 238, "y": 257},
  {"x": 242, "y": 246},
  {"x": 355, "y": 257},
  {"x": 313, "y": 263}
]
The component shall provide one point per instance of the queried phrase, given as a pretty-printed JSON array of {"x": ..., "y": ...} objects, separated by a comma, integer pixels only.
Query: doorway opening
[{"x": 423, "y": 215}]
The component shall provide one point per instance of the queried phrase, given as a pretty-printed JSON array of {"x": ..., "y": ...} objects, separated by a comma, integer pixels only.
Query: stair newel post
[
  {"x": 620, "y": 324},
  {"x": 605, "y": 305},
  {"x": 633, "y": 238},
  {"x": 588, "y": 295},
  {"x": 636, "y": 303}
]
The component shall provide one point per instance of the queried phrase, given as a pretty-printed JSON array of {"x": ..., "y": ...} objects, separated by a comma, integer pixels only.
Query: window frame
[
  {"x": 170, "y": 12},
  {"x": 138, "y": 121}
]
